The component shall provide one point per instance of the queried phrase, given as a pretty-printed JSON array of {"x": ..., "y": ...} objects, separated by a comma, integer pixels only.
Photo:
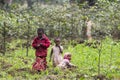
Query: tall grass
[{"x": 16, "y": 65}]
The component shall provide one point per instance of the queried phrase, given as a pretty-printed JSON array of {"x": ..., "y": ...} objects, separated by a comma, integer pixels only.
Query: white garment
[
  {"x": 57, "y": 56},
  {"x": 64, "y": 64}
]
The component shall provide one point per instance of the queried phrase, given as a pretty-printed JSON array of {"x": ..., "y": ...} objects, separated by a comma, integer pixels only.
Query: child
[
  {"x": 65, "y": 63},
  {"x": 40, "y": 44},
  {"x": 56, "y": 52}
]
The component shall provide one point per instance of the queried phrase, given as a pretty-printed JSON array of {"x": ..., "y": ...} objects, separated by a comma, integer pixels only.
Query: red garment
[
  {"x": 67, "y": 56},
  {"x": 40, "y": 64},
  {"x": 42, "y": 49},
  {"x": 41, "y": 52}
]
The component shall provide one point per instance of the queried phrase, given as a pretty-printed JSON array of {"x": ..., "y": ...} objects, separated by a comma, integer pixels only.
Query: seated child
[{"x": 65, "y": 63}]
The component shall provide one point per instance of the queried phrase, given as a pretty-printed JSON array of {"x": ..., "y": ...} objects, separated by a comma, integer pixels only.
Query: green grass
[{"x": 17, "y": 66}]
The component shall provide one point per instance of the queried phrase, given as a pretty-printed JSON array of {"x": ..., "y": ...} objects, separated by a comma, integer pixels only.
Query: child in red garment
[{"x": 40, "y": 44}]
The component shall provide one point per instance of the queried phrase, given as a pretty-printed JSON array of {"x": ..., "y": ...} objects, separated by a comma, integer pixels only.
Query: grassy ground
[{"x": 17, "y": 66}]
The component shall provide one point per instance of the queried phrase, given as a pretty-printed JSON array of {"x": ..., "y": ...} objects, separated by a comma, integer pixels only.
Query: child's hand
[
  {"x": 39, "y": 45},
  {"x": 75, "y": 66}
]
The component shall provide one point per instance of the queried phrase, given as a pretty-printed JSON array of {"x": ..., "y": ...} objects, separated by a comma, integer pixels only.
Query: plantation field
[
  {"x": 17, "y": 66},
  {"x": 97, "y": 60}
]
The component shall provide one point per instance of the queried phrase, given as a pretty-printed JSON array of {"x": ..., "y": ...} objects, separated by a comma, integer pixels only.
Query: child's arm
[
  {"x": 70, "y": 65},
  {"x": 45, "y": 44},
  {"x": 61, "y": 50},
  {"x": 35, "y": 44},
  {"x": 51, "y": 54}
]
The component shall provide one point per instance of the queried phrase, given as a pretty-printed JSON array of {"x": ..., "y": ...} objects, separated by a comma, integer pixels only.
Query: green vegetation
[
  {"x": 17, "y": 65},
  {"x": 18, "y": 25}
]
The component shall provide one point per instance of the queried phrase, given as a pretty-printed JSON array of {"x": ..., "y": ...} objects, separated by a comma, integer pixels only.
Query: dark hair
[
  {"x": 40, "y": 29},
  {"x": 56, "y": 39}
]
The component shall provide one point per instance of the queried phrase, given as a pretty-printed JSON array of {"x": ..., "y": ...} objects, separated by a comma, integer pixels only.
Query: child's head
[
  {"x": 40, "y": 32},
  {"x": 57, "y": 41},
  {"x": 67, "y": 55}
]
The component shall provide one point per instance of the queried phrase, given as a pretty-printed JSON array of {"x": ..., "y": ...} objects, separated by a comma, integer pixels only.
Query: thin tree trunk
[
  {"x": 99, "y": 57},
  {"x": 111, "y": 55},
  {"x": 59, "y": 34},
  {"x": 7, "y": 3},
  {"x": 27, "y": 47},
  {"x": 88, "y": 30},
  {"x": 30, "y": 3},
  {"x": 4, "y": 40}
]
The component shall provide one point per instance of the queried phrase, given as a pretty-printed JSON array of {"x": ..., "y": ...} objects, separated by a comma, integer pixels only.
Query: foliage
[
  {"x": 17, "y": 66},
  {"x": 18, "y": 27},
  {"x": 67, "y": 19}
]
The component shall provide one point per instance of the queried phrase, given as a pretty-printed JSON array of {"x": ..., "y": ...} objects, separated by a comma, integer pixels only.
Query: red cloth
[
  {"x": 40, "y": 64},
  {"x": 67, "y": 56},
  {"x": 41, "y": 50}
]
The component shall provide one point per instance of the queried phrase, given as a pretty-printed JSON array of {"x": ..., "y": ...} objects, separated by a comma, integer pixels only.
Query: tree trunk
[
  {"x": 72, "y": 1},
  {"x": 88, "y": 30},
  {"x": 5, "y": 3},
  {"x": 30, "y": 3}
]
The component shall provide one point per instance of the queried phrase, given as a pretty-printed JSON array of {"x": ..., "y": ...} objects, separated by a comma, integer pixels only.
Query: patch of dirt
[
  {"x": 100, "y": 77},
  {"x": 22, "y": 69},
  {"x": 5, "y": 65},
  {"x": 24, "y": 60},
  {"x": 13, "y": 72},
  {"x": 78, "y": 76},
  {"x": 51, "y": 77}
]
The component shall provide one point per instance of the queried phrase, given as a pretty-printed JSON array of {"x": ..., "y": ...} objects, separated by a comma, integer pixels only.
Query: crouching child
[{"x": 65, "y": 63}]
